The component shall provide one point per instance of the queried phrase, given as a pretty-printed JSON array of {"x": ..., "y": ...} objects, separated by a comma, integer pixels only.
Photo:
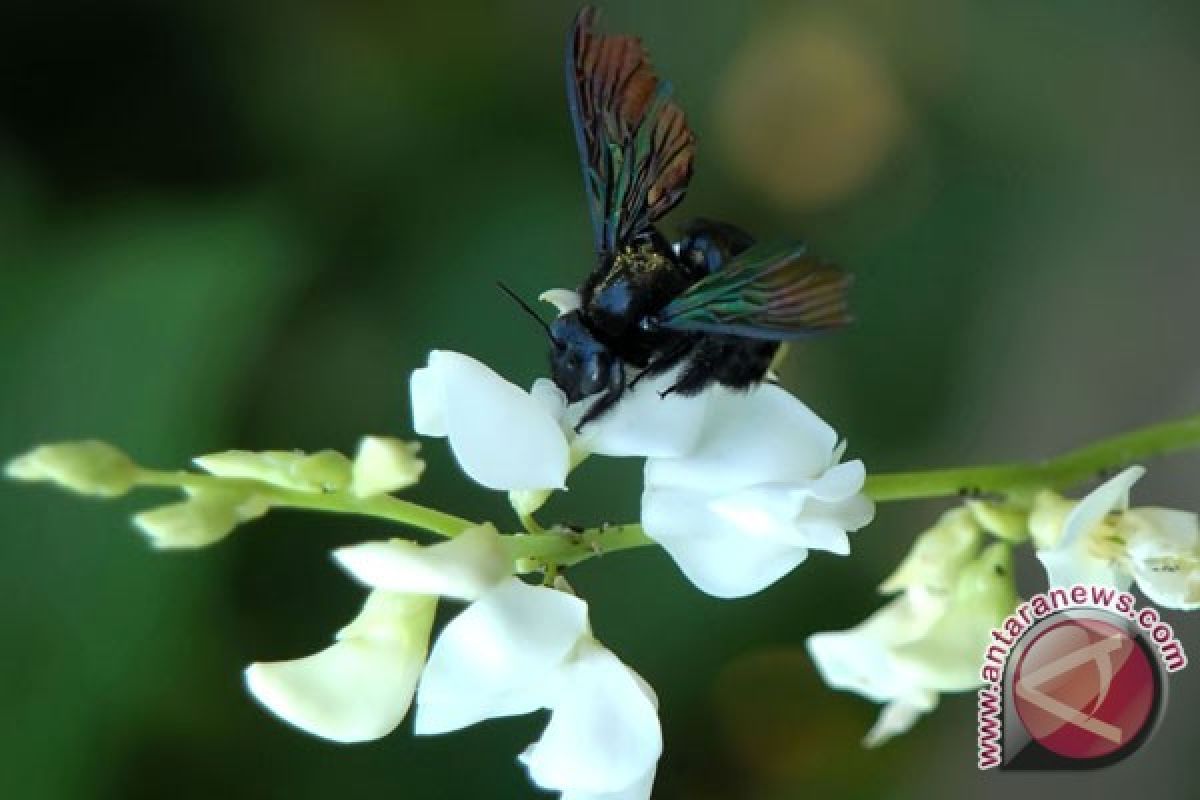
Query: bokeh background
[{"x": 242, "y": 224}]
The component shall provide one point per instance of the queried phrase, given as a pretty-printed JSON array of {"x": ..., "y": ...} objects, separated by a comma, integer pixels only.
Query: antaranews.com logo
[{"x": 1074, "y": 679}]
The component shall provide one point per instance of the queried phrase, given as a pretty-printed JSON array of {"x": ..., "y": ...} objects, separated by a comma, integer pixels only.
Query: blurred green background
[{"x": 242, "y": 224}]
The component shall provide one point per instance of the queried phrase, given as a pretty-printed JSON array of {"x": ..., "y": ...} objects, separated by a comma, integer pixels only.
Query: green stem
[
  {"x": 566, "y": 548},
  {"x": 1076, "y": 466},
  {"x": 382, "y": 506},
  {"x": 1059, "y": 473}
]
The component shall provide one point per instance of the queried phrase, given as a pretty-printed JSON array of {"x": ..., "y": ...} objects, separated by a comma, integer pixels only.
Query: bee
[{"x": 713, "y": 303}]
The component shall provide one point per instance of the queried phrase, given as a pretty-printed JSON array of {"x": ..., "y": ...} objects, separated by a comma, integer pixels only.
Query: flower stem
[
  {"x": 567, "y": 547},
  {"x": 1076, "y": 466},
  {"x": 382, "y": 506},
  {"x": 1059, "y": 473}
]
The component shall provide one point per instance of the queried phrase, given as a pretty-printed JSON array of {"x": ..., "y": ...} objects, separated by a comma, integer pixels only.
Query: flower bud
[
  {"x": 527, "y": 501},
  {"x": 1050, "y": 511},
  {"x": 89, "y": 467},
  {"x": 208, "y": 516},
  {"x": 326, "y": 470},
  {"x": 385, "y": 465},
  {"x": 938, "y": 555},
  {"x": 1003, "y": 522}
]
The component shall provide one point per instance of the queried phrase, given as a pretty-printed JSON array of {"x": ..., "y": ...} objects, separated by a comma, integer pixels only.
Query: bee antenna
[{"x": 530, "y": 312}]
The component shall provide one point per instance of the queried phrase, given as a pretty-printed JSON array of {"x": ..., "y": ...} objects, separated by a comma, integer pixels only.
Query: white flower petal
[
  {"x": 603, "y": 734},
  {"x": 638, "y": 790},
  {"x": 1077, "y": 565},
  {"x": 564, "y": 300},
  {"x": 497, "y": 656},
  {"x": 1163, "y": 547},
  {"x": 428, "y": 402},
  {"x": 1112, "y": 495},
  {"x": 898, "y": 717},
  {"x": 359, "y": 688},
  {"x": 551, "y": 398},
  {"x": 1169, "y": 584},
  {"x": 839, "y": 482},
  {"x": 463, "y": 567},
  {"x": 862, "y": 659},
  {"x": 643, "y": 423},
  {"x": 710, "y": 551},
  {"x": 764, "y": 436},
  {"x": 502, "y": 437}
]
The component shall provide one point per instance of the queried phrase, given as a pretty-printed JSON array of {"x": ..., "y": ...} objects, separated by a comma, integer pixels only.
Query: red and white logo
[{"x": 1074, "y": 687}]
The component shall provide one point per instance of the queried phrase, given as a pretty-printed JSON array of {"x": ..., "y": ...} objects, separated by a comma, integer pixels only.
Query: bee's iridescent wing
[
  {"x": 775, "y": 292},
  {"x": 634, "y": 143}
]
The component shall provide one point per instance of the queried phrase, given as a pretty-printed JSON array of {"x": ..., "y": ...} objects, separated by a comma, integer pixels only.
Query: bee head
[{"x": 579, "y": 364}]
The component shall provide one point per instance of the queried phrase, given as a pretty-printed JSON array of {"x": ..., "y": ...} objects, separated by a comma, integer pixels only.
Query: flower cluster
[
  {"x": 514, "y": 649},
  {"x": 738, "y": 488},
  {"x": 736, "y": 503},
  {"x": 953, "y": 588},
  {"x": 950, "y": 591}
]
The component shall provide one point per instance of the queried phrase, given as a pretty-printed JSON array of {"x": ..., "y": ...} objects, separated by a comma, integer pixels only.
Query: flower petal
[
  {"x": 1068, "y": 567},
  {"x": 898, "y": 717},
  {"x": 603, "y": 734},
  {"x": 861, "y": 659},
  {"x": 638, "y": 790},
  {"x": 428, "y": 402},
  {"x": 564, "y": 300},
  {"x": 764, "y": 436},
  {"x": 947, "y": 657},
  {"x": 645, "y": 424},
  {"x": 1112, "y": 495},
  {"x": 359, "y": 688},
  {"x": 712, "y": 552},
  {"x": 463, "y": 567},
  {"x": 499, "y": 656},
  {"x": 1163, "y": 546},
  {"x": 502, "y": 437}
]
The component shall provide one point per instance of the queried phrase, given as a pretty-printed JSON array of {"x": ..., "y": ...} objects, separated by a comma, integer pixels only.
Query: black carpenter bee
[{"x": 714, "y": 302}]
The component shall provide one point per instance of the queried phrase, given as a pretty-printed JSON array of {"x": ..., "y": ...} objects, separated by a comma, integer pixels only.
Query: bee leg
[
  {"x": 664, "y": 361},
  {"x": 616, "y": 388}
]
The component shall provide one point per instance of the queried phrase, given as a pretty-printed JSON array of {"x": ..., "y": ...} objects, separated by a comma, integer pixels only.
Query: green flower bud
[
  {"x": 385, "y": 465},
  {"x": 938, "y": 555},
  {"x": 90, "y": 467},
  {"x": 947, "y": 657},
  {"x": 1003, "y": 522},
  {"x": 1050, "y": 511},
  {"x": 526, "y": 502},
  {"x": 324, "y": 471},
  {"x": 208, "y": 516}
]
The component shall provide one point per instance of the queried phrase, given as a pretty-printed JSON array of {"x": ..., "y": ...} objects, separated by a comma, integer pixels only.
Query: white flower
[
  {"x": 1101, "y": 541},
  {"x": 360, "y": 688},
  {"x": 520, "y": 648},
  {"x": 761, "y": 487},
  {"x": 506, "y": 438},
  {"x": 915, "y": 647}
]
